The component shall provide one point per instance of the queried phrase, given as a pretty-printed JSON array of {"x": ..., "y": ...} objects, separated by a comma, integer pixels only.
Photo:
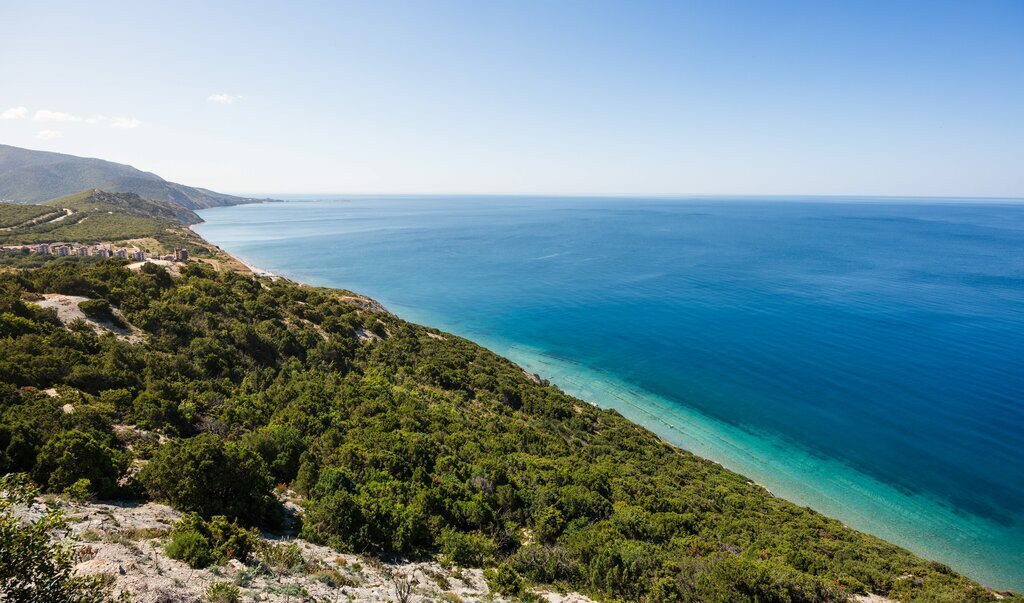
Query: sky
[{"x": 557, "y": 97}]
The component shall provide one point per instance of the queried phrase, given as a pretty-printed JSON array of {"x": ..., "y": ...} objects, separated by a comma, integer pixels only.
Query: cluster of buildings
[{"x": 105, "y": 250}]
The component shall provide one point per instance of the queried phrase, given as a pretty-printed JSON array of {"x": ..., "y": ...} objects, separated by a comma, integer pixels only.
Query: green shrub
[
  {"x": 201, "y": 543},
  {"x": 79, "y": 491},
  {"x": 548, "y": 524},
  {"x": 223, "y": 592},
  {"x": 504, "y": 580},
  {"x": 75, "y": 455},
  {"x": 191, "y": 547},
  {"x": 334, "y": 520},
  {"x": 100, "y": 309},
  {"x": 280, "y": 448},
  {"x": 96, "y": 308},
  {"x": 466, "y": 549},
  {"x": 279, "y": 557},
  {"x": 34, "y": 566}
]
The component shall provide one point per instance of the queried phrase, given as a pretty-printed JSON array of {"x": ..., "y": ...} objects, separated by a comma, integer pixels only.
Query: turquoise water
[{"x": 864, "y": 357}]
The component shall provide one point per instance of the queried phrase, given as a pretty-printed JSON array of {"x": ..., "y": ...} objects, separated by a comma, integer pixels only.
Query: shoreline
[
  {"x": 785, "y": 471},
  {"x": 883, "y": 512},
  {"x": 251, "y": 268}
]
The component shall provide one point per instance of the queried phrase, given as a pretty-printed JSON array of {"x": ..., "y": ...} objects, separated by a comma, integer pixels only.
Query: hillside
[
  {"x": 398, "y": 441},
  {"x": 96, "y": 217},
  {"x": 28, "y": 176},
  {"x": 111, "y": 538},
  {"x": 130, "y": 204}
]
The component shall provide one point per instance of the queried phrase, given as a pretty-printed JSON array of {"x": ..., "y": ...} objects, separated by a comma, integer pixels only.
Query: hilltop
[{"x": 28, "y": 176}]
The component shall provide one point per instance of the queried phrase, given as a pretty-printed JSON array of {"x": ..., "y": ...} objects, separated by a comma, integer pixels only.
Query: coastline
[
  {"x": 784, "y": 470},
  {"x": 733, "y": 448},
  {"x": 232, "y": 257}
]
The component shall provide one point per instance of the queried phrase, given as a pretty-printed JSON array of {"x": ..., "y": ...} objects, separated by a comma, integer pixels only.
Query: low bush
[
  {"x": 223, "y": 592},
  {"x": 466, "y": 549},
  {"x": 202, "y": 543},
  {"x": 504, "y": 580},
  {"x": 279, "y": 557}
]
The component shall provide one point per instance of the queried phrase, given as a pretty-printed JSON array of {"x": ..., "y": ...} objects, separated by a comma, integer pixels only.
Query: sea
[{"x": 860, "y": 356}]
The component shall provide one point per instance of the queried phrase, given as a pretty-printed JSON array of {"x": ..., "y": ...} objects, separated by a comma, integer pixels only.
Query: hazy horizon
[{"x": 329, "y": 196}]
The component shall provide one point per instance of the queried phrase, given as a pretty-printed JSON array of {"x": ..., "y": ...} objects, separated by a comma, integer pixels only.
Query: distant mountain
[{"x": 30, "y": 176}]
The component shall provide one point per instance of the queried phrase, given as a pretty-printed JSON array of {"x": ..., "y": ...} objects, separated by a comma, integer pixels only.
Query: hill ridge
[{"x": 31, "y": 176}]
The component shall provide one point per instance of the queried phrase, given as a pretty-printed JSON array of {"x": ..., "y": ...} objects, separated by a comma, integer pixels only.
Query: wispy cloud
[
  {"x": 128, "y": 123},
  {"x": 44, "y": 115},
  {"x": 15, "y": 113},
  {"x": 224, "y": 99}
]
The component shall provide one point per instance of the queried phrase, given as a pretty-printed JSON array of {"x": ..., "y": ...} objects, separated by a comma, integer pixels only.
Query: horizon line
[{"x": 794, "y": 196}]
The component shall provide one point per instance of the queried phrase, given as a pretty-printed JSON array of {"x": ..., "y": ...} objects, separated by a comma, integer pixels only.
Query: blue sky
[{"x": 872, "y": 98}]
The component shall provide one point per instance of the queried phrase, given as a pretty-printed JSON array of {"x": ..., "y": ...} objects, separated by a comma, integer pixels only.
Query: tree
[
  {"x": 280, "y": 446},
  {"x": 208, "y": 476},
  {"x": 75, "y": 455}
]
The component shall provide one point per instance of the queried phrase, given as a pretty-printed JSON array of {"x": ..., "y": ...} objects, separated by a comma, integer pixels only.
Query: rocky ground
[
  {"x": 68, "y": 312},
  {"x": 125, "y": 543}
]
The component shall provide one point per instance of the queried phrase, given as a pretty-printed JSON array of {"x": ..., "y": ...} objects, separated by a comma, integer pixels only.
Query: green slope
[
  {"x": 125, "y": 203},
  {"x": 402, "y": 441},
  {"x": 88, "y": 217},
  {"x": 13, "y": 215}
]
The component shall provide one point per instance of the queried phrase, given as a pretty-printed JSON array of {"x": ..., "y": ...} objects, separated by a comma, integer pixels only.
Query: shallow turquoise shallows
[{"x": 864, "y": 357}]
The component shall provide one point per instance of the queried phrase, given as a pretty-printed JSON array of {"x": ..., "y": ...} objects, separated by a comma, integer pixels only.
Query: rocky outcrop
[{"x": 125, "y": 544}]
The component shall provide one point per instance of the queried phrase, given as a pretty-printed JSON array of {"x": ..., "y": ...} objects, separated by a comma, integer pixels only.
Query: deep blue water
[{"x": 863, "y": 357}]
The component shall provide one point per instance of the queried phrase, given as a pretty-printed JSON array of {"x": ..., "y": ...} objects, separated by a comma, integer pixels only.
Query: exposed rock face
[{"x": 125, "y": 542}]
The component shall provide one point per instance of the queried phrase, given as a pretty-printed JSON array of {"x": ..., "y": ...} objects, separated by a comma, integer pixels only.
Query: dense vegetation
[{"x": 402, "y": 441}]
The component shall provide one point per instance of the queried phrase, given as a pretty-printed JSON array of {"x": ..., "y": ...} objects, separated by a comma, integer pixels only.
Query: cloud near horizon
[
  {"x": 224, "y": 99},
  {"x": 15, "y": 113},
  {"x": 44, "y": 115}
]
